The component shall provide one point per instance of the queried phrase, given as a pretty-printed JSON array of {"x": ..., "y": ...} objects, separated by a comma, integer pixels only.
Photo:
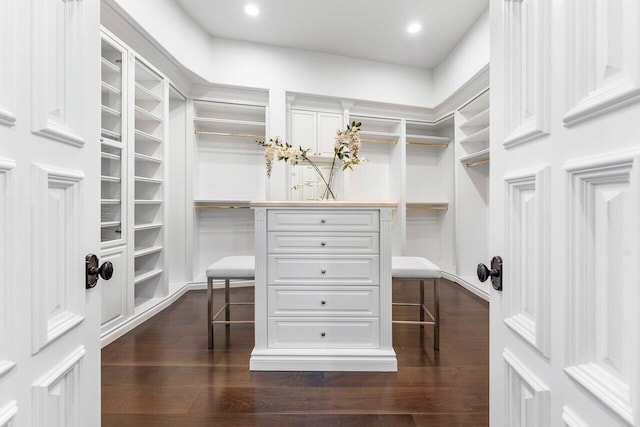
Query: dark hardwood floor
[{"x": 162, "y": 374}]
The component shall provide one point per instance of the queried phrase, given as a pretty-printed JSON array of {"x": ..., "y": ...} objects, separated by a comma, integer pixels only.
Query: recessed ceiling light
[
  {"x": 414, "y": 27},
  {"x": 251, "y": 10}
]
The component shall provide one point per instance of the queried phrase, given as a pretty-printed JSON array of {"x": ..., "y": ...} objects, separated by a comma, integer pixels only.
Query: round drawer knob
[
  {"x": 323, "y": 271},
  {"x": 323, "y": 302},
  {"x": 323, "y": 243},
  {"x": 322, "y": 334},
  {"x": 323, "y": 220}
]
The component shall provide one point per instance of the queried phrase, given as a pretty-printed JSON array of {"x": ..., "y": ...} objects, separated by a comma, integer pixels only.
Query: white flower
[
  {"x": 345, "y": 155},
  {"x": 269, "y": 153}
]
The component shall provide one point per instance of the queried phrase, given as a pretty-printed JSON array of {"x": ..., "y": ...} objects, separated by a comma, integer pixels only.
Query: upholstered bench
[
  {"x": 417, "y": 268},
  {"x": 227, "y": 269},
  {"x": 402, "y": 267}
]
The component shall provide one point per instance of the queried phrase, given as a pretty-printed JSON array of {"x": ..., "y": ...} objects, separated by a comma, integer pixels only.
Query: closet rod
[
  {"x": 241, "y": 135},
  {"x": 429, "y": 144},
  {"x": 479, "y": 162},
  {"x": 381, "y": 141},
  {"x": 428, "y": 208}
]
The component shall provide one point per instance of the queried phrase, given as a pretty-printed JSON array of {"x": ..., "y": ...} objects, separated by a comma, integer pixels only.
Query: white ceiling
[{"x": 366, "y": 29}]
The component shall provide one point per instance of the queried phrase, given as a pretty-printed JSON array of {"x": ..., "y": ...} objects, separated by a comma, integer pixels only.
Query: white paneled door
[
  {"x": 565, "y": 212},
  {"x": 49, "y": 212}
]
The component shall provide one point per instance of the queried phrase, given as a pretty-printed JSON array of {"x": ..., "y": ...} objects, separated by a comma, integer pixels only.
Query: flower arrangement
[{"x": 345, "y": 155}]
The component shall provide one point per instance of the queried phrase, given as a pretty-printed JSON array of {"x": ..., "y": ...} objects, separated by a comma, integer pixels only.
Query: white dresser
[{"x": 323, "y": 286}]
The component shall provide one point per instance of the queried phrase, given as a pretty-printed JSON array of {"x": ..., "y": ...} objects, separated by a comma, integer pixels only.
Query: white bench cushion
[
  {"x": 233, "y": 267},
  {"x": 409, "y": 267}
]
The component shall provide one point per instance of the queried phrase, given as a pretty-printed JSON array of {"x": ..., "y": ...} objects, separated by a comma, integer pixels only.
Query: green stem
[
  {"x": 319, "y": 172},
  {"x": 332, "y": 173}
]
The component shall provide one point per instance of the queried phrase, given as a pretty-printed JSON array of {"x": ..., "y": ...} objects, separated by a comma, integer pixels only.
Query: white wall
[
  {"x": 250, "y": 64},
  {"x": 469, "y": 56},
  {"x": 236, "y": 63}
]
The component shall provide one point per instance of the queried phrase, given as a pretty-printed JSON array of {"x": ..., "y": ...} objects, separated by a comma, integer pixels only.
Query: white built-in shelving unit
[
  {"x": 429, "y": 193},
  {"x": 148, "y": 185},
  {"x": 378, "y": 129},
  {"x": 113, "y": 153},
  {"x": 141, "y": 113},
  {"x": 229, "y": 171},
  {"x": 114, "y": 175},
  {"x": 226, "y": 135},
  {"x": 373, "y": 180},
  {"x": 472, "y": 189}
]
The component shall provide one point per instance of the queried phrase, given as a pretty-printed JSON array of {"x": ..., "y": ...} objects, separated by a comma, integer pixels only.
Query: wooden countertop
[{"x": 321, "y": 204}]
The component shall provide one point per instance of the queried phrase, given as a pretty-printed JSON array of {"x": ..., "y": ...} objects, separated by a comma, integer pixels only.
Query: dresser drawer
[
  {"x": 322, "y": 242},
  {"x": 362, "y": 301},
  {"x": 320, "y": 269},
  {"x": 334, "y": 333},
  {"x": 323, "y": 220}
]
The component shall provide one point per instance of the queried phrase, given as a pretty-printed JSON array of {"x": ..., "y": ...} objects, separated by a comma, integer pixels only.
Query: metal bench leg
[
  {"x": 422, "y": 303},
  {"x": 210, "y": 310},
  {"x": 227, "y": 311},
  {"x": 436, "y": 326}
]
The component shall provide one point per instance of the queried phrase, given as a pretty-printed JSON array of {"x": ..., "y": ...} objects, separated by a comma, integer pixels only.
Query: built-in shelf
[
  {"x": 108, "y": 142},
  {"x": 221, "y": 204},
  {"x": 148, "y": 180},
  {"x": 109, "y": 156},
  {"x": 145, "y": 158},
  {"x": 145, "y": 74},
  {"x": 480, "y": 136},
  {"x": 110, "y": 201},
  {"x": 478, "y": 158},
  {"x": 109, "y": 224},
  {"x": 109, "y": 134},
  {"x": 480, "y": 120},
  {"x": 144, "y": 94},
  {"x": 147, "y": 251},
  {"x": 110, "y": 111},
  {"x": 214, "y": 126},
  {"x": 151, "y": 226},
  {"x": 378, "y": 137},
  {"x": 231, "y": 122},
  {"x": 106, "y": 87},
  {"x": 144, "y": 136},
  {"x": 148, "y": 202},
  {"x": 144, "y": 115},
  {"x": 377, "y": 129},
  {"x": 109, "y": 67},
  {"x": 435, "y": 206},
  {"x": 144, "y": 275},
  {"x": 105, "y": 178},
  {"x": 231, "y": 134}
]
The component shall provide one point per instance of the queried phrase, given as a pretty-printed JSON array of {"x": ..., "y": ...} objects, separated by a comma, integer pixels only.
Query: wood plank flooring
[{"x": 162, "y": 374}]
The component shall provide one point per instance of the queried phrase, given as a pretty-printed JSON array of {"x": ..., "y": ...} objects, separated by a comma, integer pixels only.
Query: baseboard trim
[{"x": 136, "y": 320}]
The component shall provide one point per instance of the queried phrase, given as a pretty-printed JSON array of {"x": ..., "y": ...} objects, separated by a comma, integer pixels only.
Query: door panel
[
  {"x": 603, "y": 72},
  {"x": 602, "y": 312},
  {"x": 56, "y": 202},
  {"x": 56, "y": 81},
  {"x": 7, "y": 224},
  {"x": 303, "y": 129},
  {"x": 49, "y": 212},
  {"x": 564, "y": 212},
  {"x": 526, "y": 301},
  {"x": 328, "y": 124}
]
